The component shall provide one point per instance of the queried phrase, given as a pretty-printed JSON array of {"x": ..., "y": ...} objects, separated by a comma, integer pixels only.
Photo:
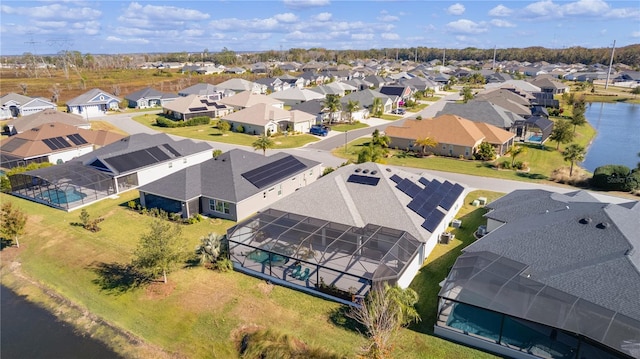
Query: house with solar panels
[
  {"x": 557, "y": 276},
  {"x": 233, "y": 186},
  {"x": 120, "y": 166},
  {"x": 359, "y": 225}
]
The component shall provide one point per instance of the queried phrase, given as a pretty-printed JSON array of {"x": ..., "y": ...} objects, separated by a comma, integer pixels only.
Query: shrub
[
  {"x": 240, "y": 129},
  {"x": 328, "y": 170},
  {"x": 223, "y": 265},
  {"x": 223, "y": 126},
  {"x": 505, "y": 165},
  {"x": 132, "y": 204},
  {"x": 196, "y": 121},
  {"x": 613, "y": 178},
  {"x": 217, "y": 152}
]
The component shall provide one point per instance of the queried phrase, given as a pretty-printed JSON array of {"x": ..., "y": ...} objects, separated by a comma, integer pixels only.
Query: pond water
[
  {"x": 618, "y": 135},
  {"x": 29, "y": 331}
]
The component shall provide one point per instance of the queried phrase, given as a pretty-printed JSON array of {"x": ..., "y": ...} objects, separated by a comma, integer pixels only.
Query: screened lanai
[
  {"x": 494, "y": 298},
  {"x": 325, "y": 256},
  {"x": 64, "y": 186}
]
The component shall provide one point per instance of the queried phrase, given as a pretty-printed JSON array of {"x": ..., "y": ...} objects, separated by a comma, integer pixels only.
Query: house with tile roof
[
  {"x": 557, "y": 275},
  {"x": 185, "y": 108},
  {"x": 39, "y": 118},
  {"x": 359, "y": 225},
  {"x": 263, "y": 118},
  {"x": 93, "y": 103},
  {"x": 14, "y": 105},
  {"x": 456, "y": 136},
  {"x": 233, "y": 185},
  {"x": 52, "y": 142},
  {"x": 117, "y": 167},
  {"x": 148, "y": 98}
]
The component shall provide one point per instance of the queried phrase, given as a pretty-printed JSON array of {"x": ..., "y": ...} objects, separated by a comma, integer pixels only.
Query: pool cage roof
[
  {"x": 488, "y": 280},
  {"x": 373, "y": 252},
  {"x": 74, "y": 173}
]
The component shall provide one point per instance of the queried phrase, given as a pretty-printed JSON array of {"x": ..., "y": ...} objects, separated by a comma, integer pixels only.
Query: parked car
[
  {"x": 399, "y": 111},
  {"x": 319, "y": 130}
]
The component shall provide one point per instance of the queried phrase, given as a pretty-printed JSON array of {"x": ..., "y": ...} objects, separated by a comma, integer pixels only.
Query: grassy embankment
[{"x": 197, "y": 313}]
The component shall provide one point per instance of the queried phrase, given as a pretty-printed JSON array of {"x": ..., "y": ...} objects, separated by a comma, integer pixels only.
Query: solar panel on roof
[
  {"x": 195, "y": 109},
  {"x": 404, "y": 185},
  {"x": 63, "y": 143},
  {"x": 432, "y": 222},
  {"x": 457, "y": 189},
  {"x": 448, "y": 200},
  {"x": 396, "y": 178},
  {"x": 413, "y": 190},
  {"x": 366, "y": 180},
  {"x": 446, "y": 187},
  {"x": 424, "y": 181},
  {"x": 415, "y": 205},
  {"x": 273, "y": 172},
  {"x": 158, "y": 154},
  {"x": 171, "y": 149},
  {"x": 50, "y": 144},
  {"x": 132, "y": 160},
  {"x": 77, "y": 139},
  {"x": 425, "y": 211}
]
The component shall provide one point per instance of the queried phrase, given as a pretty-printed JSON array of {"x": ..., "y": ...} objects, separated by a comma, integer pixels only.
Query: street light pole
[{"x": 345, "y": 142}]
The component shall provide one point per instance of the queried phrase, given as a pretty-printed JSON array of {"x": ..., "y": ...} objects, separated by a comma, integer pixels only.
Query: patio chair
[
  {"x": 296, "y": 271},
  {"x": 304, "y": 276}
]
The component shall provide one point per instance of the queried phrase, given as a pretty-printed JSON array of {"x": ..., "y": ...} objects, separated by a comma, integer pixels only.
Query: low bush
[
  {"x": 240, "y": 129},
  {"x": 505, "y": 165},
  {"x": 196, "y": 121},
  {"x": 580, "y": 177},
  {"x": 614, "y": 178}
]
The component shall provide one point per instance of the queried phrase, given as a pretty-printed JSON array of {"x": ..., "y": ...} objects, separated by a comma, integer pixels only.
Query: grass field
[
  {"x": 197, "y": 313},
  {"x": 348, "y": 127}
]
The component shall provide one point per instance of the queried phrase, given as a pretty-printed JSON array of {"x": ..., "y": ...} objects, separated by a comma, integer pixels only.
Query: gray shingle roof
[
  {"x": 481, "y": 111},
  {"x": 89, "y": 98},
  {"x": 219, "y": 177}
]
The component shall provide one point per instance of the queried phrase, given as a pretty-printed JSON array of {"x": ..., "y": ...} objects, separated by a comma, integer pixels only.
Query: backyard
[{"x": 200, "y": 310}]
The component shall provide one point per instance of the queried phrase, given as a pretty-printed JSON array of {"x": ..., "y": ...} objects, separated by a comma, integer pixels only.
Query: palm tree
[
  {"x": 467, "y": 94},
  {"x": 426, "y": 142},
  {"x": 333, "y": 105},
  {"x": 376, "y": 107},
  {"x": 352, "y": 106},
  {"x": 263, "y": 143},
  {"x": 573, "y": 153},
  {"x": 515, "y": 151},
  {"x": 210, "y": 248},
  {"x": 380, "y": 140}
]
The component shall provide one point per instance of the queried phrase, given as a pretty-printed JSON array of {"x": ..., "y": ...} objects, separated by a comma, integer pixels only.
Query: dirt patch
[
  {"x": 159, "y": 290},
  {"x": 265, "y": 288}
]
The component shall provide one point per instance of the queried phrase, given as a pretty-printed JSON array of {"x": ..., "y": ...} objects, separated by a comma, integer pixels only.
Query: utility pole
[
  {"x": 444, "y": 52},
  {"x": 613, "y": 49},
  {"x": 493, "y": 67}
]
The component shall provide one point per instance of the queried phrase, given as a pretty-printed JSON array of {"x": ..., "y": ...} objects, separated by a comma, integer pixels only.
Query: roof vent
[
  {"x": 603, "y": 225},
  {"x": 357, "y": 170},
  {"x": 388, "y": 169},
  {"x": 585, "y": 220},
  {"x": 374, "y": 172},
  {"x": 365, "y": 171}
]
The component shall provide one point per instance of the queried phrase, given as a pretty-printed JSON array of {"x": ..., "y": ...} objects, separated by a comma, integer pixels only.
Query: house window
[
  {"x": 219, "y": 206},
  {"x": 170, "y": 164}
]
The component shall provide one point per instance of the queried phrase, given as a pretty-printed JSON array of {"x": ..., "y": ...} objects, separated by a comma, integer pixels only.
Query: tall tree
[
  {"x": 573, "y": 153},
  {"x": 516, "y": 151},
  {"x": 466, "y": 94},
  {"x": 263, "y": 143},
  {"x": 333, "y": 105},
  {"x": 578, "y": 118},
  {"x": 352, "y": 106},
  {"x": 371, "y": 153},
  {"x": 561, "y": 133},
  {"x": 160, "y": 250},
  {"x": 385, "y": 310},
  {"x": 12, "y": 222},
  {"x": 426, "y": 142},
  {"x": 379, "y": 139},
  {"x": 376, "y": 107}
]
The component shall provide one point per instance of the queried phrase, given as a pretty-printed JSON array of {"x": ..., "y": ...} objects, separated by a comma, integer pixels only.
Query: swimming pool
[
  {"x": 535, "y": 138},
  {"x": 62, "y": 197}
]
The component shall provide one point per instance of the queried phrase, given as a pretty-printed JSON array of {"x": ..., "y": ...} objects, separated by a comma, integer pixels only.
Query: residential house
[
  {"x": 233, "y": 185},
  {"x": 206, "y": 69},
  {"x": 557, "y": 276},
  {"x": 235, "y": 70},
  {"x": 534, "y": 129},
  {"x": 317, "y": 109},
  {"x": 334, "y": 88},
  {"x": 259, "y": 68},
  {"x": 547, "y": 84},
  {"x": 43, "y": 117},
  {"x": 358, "y": 83},
  {"x": 293, "y": 96},
  {"x": 149, "y": 97},
  {"x": 376, "y": 81},
  {"x": 420, "y": 84},
  {"x": 312, "y": 67},
  {"x": 206, "y": 90},
  {"x": 293, "y": 81},
  {"x": 263, "y": 118},
  {"x": 120, "y": 166},
  {"x": 508, "y": 100},
  {"x": 290, "y": 67},
  {"x": 52, "y": 142},
  {"x": 358, "y": 226},
  {"x": 519, "y": 86},
  {"x": 93, "y": 103},
  {"x": 456, "y": 136},
  {"x": 632, "y": 77},
  {"x": 185, "y": 108},
  {"x": 240, "y": 85},
  {"x": 365, "y": 99},
  {"x": 15, "y": 105},
  {"x": 312, "y": 78},
  {"x": 482, "y": 111},
  {"x": 399, "y": 94},
  {"x": 247, "y": 99},
  {"x": 273, "y": 84}
]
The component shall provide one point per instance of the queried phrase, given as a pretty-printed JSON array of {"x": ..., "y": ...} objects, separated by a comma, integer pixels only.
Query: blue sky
[{"x": 113, "y": 26}]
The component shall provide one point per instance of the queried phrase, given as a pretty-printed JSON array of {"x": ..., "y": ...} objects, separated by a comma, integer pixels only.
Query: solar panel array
[
  {"x": 137, "y": 159},
  {"x": 196, "y": 109},
  {"x": 171, "y": 149},
  {"x": 77, "y": 139},
  {"x": 56, "y": 143},
  {"x": 426, "y": 200},
  {"x": 273, "y": 172},
  {"x": 366, "y": 180}
]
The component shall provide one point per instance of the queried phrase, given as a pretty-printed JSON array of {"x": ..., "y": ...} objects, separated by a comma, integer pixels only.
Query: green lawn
[
  {"x": 348, "y": 127},
  {"x": 542, "y": 160},
  {"x": 390, "y": 117},
  {"x": 211, "y": 133},
  {"x": 197, "y": 313},
  {"x": 418, "y": 107}
]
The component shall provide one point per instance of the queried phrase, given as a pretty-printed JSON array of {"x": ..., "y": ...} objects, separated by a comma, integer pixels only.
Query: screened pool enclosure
[
  {"x": 336, "y": 259},
  {"x": 494, "y": 299}
]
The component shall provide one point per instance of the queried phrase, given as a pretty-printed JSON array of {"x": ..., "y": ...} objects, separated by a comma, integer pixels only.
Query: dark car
[
  {"x": 319, "y": 130},
  {"x": 399, "y": 111}
]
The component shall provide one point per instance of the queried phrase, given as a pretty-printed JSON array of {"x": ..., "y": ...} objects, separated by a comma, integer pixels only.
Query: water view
[
  {"x": 29, "y": 331},
  {"x": 618, "y": 135}
]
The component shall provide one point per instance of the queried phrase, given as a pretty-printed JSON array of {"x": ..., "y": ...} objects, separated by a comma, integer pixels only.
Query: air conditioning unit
[{"x": 446, "y": 237}]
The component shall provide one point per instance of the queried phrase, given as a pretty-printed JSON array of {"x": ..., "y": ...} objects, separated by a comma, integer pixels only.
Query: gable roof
[
  {"x": 14, "y": 99},
  {"x": 200, "y": 89},
  {"x": 237, "y": 85},
  {"x": 93, "y": 97},
  {"x": 222, "y": 177},
  {"x": 481, "y": 111},
  {"x": 247, "y": 99},
  {"x": 39, "y": 118},
  {"x": 193, "y": 103},
  {"x": 296, "y": 94},
  {"x": 449, "y": 129},
  {"x": 365, "y": 97},
  {"x": 149, "y": 92},
  {"x": 314, "y": 107},
  {"x": 258, "y": 114}
]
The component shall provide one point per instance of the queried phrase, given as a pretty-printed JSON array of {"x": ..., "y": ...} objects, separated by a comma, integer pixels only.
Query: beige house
[
  {"x": 247, "y": 99},
  {"x": 185, "y": 108},
  {"x": 263, "y": 118},
  {"x": 455, "y": 135}
]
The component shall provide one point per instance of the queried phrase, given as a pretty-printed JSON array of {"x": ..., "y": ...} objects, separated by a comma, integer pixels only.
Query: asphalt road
[{"x": 321, "y": 151}]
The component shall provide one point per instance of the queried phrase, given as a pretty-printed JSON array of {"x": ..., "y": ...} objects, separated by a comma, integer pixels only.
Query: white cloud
[
  {"x": 500, "y": 11},
  {"x": 301, "y": 4},
  {"x": 623, "y": 13},
  {"x": 501, "y": 23},
  {"x": 390, "y": 36},
  {"x": 361, "y": 37},
  {"x": 286, "y": 17},
  {"x": 127, "y": 41},
  {"x": 585, "y": 7},
  {"x": 323, "y": 16},
  {"x": 163, "y": 13},
  {"x": 53, "y": 12},
  {"x": 388, "y": 18},
  {"x": 542, "y": 8},
  {"x": 635, "y": 34},
  {"x": 456, "y": 9},
  {"x": 465, "y": 26}
]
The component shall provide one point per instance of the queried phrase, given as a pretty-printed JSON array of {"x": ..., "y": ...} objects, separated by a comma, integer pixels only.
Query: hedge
[
  {"x": 615, "y": 178},
  {"x": 195, "y": 121}
]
